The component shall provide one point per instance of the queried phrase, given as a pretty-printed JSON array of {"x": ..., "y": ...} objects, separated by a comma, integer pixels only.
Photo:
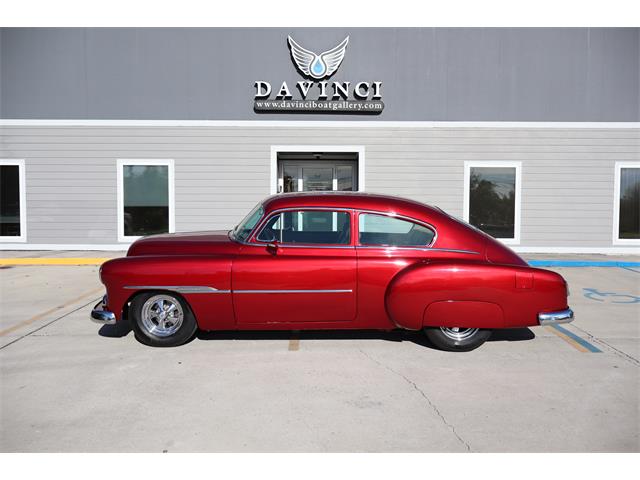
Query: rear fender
[{"x": 471, "y": 294}]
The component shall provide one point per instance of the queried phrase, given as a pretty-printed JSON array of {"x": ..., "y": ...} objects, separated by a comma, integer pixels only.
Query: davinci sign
[{"x": 317, "y": 95}]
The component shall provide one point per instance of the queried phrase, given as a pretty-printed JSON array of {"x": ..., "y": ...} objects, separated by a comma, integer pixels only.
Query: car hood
[{"x": 192, "y": 243}]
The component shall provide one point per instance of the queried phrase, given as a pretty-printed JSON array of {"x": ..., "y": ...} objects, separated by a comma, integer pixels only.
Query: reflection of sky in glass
[
  {"x": 503, "y": 179},
  {"x": 146, "y": 185},
  {"x": 629, "y": 179}
]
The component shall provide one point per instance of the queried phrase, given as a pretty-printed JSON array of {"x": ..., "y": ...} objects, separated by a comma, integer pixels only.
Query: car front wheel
[
  {"x": 162, "y": 319},
  {"x": 457, "y": 339}
]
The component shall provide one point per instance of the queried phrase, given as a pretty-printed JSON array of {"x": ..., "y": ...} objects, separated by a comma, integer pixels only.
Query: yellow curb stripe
[
  {"x": 42, "y": 315},
  {"x": 567, "y": 339},
  {"x": 53, "y": 261}
]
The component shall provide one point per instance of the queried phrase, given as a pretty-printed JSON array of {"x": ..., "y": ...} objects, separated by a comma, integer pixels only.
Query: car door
[
  {"x": 386, "y": 245},
  {"x": 300, "y": 267}
]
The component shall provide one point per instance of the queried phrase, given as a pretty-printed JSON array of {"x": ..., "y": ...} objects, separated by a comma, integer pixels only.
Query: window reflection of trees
[
  {"x": 630, "y": 203},
  {"x": 491, "y": 210}
]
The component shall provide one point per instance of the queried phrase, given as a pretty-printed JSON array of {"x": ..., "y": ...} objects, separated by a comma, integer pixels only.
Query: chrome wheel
[
  {"x": 457, "y": 333},
  {"x": 162, "y": 315}
]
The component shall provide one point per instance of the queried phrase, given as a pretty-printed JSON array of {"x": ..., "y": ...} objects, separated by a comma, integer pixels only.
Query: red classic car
[{"x": 331, "y": 261}]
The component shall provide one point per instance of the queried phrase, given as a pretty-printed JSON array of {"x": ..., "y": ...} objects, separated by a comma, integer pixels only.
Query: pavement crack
[
  {"x": 32, "y": 332},
  {"x": 619, "y": 353},
  {"x": 424, "y": 395}
]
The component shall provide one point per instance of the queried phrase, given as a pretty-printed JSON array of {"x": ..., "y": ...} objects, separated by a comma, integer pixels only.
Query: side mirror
[{"x": 272, "y": 247}]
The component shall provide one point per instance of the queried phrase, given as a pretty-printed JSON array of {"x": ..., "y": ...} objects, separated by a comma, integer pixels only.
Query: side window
[
  {"x": 391, "y": 231},
  {"x": 627, "y": 198},
  {"x": 321, "y": 227},
  {"x": 145, "y": 198},
  {"x": 492, "y": 198}
]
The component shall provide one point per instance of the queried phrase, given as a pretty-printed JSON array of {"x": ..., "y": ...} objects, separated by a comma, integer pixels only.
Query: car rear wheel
[
  {"x": 162, "y": 319},
  {"x": 457, "y": 339}
]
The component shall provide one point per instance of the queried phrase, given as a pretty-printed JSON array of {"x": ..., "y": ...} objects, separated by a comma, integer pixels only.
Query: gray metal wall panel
[
  {"x": 485, "y": 74},
  {"x": 221, "y": 172}
]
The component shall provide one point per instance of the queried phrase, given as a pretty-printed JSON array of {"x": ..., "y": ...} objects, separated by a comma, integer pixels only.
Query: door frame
[
  {"x": 275, "y": 149},
  {"x": 302, "y": 164}
]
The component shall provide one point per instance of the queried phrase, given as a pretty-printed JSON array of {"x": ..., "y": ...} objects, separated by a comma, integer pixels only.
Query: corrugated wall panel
[{"x": 221, "y": 172}]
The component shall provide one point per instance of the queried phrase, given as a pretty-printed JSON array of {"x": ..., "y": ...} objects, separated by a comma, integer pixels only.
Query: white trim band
[{"x": 307, "y": 124}]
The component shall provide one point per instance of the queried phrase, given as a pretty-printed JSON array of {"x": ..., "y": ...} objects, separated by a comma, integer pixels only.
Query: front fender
[{"x": 212, "y": 307}]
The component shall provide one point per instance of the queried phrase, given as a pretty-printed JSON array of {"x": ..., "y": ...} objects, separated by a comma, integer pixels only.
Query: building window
[
  {"x": 145, "y": 198},
  {"x": 12, "y": 201},
  {"x": 313, "y": 227},
  {"x": 627, "y": 203},
  {"x": 492, "y": 198},
  {"x": 384, "y": 230}
]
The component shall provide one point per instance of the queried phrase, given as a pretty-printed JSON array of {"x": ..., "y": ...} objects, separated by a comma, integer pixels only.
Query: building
[{"x": 533, "y": 135}]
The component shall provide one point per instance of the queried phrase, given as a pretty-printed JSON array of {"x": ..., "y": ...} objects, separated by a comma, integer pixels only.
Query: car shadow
[
  {"x": 120, "y": 329},
  {"x": 502, "y": 335}
]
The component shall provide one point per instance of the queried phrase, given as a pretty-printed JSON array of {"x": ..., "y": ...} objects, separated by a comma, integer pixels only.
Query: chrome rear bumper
[
  {"x": 102, "y": 316},
  {"x": 550, "y": 318}
]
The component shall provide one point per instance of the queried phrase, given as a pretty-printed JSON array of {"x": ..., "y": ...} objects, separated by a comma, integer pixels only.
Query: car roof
[{"x": 356, "y": 200}]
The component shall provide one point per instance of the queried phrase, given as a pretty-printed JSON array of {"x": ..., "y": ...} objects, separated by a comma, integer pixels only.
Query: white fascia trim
[
  {"x": 616, "y": 204},
  {"x": 359, "y": 149},
  {"x": 580, "y": 250},
  {"x": 309, "y": 124},
  {"x": 169, "y": 163},
  {"x": 121, "y": 247},
  {"x": 22, "y": 192},
  {"x": 518, "y": 206}
]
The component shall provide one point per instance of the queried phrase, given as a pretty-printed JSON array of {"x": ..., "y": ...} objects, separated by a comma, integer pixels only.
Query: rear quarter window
[{"x": 384, "y": 230}]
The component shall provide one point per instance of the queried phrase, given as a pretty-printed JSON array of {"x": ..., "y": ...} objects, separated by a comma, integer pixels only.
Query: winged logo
[{"x": 314, "y": 65}]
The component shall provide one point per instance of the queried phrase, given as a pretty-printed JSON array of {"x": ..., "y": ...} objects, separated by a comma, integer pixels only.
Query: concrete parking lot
[{"x": 67, "y": 384}]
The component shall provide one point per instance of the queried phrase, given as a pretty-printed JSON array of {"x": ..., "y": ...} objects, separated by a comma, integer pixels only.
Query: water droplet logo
[{"x": 318, "y": 68}]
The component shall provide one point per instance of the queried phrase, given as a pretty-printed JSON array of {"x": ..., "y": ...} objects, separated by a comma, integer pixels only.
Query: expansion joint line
[
  {"x": 424, "y": 395},
  {"x": 619, "y": 353}
]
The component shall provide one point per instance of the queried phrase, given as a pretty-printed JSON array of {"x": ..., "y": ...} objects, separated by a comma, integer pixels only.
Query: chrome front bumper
[
  {"x": 102, "y": 316},
  {"x": 551, "y": 318}
]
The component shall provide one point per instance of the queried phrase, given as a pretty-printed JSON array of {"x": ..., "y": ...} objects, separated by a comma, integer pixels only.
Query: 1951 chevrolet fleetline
[{"x": 331, "y": 261}]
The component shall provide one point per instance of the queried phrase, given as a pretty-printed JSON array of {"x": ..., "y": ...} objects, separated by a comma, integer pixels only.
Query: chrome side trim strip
[
  {"x": 178, "y": 288},
  {"x": 308, "y": 245},
  {"x": 293, "y": 291},
  {"x": 203, "y": 289},
  {"x": 421, "y": 249}
]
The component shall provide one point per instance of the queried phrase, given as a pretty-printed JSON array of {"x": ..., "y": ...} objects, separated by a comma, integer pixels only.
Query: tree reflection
[
  {"x": 491, "y": 205},
  {"x": 630, "y": 203}
]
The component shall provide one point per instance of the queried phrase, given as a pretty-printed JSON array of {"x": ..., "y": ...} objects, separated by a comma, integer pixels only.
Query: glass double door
[{"x": 310, "y": 176}]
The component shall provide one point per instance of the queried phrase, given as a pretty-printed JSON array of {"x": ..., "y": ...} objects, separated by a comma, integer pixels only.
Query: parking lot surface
[{"x": 67, "y": 384}]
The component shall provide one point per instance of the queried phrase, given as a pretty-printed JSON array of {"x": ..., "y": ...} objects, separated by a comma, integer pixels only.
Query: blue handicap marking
[{"x": 594, "y": 294}]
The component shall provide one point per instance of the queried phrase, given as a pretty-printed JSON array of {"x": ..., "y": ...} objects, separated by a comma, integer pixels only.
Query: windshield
[{"x": 243, "y": 229}]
